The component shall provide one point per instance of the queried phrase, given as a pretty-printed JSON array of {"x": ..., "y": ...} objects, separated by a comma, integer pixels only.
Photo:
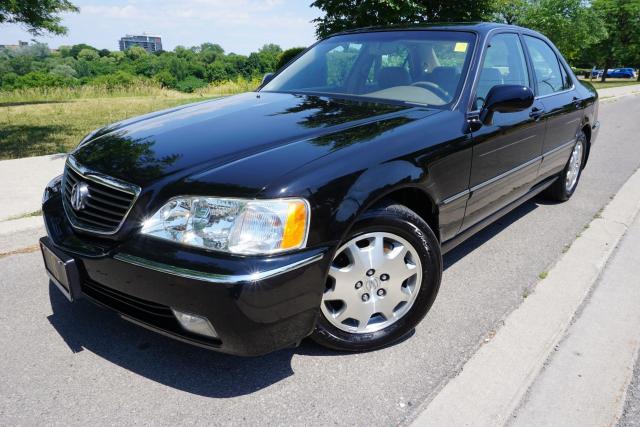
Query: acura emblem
[{"x": 79, "y": 194}]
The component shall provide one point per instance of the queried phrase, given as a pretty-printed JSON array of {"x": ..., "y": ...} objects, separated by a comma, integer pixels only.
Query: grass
[
  {"x": 35, "y": 122},
  {"x": 24, "y": 215},
  {"x": 613, "y": 83}
]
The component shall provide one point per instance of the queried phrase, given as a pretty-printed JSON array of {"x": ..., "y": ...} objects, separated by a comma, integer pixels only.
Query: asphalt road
[
  {"x": 75, "y": 363},
  {"x": 631, "y": 413}
]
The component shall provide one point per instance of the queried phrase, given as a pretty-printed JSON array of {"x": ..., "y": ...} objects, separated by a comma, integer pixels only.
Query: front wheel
[
  {"x": 382, "y": 281},
  {"x": 564, "y": 187}
]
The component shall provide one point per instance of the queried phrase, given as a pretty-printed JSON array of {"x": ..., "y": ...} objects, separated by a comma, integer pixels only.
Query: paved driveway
[{"x": 77, "y": 364}]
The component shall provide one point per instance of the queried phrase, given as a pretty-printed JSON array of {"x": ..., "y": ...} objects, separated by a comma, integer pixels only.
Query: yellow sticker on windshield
[{"x": 461, "y": 47}]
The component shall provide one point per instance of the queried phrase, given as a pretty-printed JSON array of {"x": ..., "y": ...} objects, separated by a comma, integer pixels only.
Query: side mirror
[
  {"x": 266, "y": 79},
  {"x": 506, "y": 99}
]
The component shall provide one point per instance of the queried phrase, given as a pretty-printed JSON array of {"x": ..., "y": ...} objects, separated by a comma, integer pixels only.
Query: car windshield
[{"x": 415, "y": 67}]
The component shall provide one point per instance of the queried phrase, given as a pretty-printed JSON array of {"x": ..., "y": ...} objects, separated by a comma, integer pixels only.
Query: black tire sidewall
[
  {"x": 405, "y": 223},
  {"x": 567, "y": 194}
]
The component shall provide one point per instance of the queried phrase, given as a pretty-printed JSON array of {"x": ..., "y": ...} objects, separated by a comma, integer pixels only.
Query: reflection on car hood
[{"x": 207, "y": 135}]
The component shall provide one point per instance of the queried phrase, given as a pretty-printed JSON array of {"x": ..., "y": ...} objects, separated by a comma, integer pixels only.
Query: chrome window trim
[
  {"x": 476, "y": 49},
  {"x": 212, "y": 277},
  {"x": 108, "y": 181},
  {"x": 556, "y": 93}
]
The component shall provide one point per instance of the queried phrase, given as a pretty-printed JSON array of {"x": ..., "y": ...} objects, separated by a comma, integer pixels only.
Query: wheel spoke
[
  {"x": 362, "y": 313},
  {"x": 387, "y": 304},
  {"x": 397, "y": 267},
  {"x": 359, "y": 257},
  {"x": 344, "y": 283}
]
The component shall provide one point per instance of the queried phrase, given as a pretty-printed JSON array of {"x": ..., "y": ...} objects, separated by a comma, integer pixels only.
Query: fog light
[{"x": 196, "y": 324}]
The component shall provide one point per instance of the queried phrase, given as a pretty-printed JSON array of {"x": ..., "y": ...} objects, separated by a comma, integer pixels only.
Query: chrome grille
[{"x": 107, "y": 203}]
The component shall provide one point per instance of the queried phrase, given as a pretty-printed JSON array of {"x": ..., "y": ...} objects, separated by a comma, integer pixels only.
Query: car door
[
  {"x": 506, "y": 152},
  {"x": 563, "y": 109}
]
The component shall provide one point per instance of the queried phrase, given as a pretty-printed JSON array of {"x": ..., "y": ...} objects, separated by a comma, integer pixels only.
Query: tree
[
  {"x": 510, "y": 11},
  {"x": 76, "y": 48},
  {"x": 38, "y": 16},
  {"x": 63, "y": 70},
  {"x": 343, "y": 15},
  {"x": 571, "y": 25},
  {"x": 88, "y": 54},
  {"x": 136, "y": 52},
  {"x": 622, "y": 44},
  {"x": 209, "y": 52}
]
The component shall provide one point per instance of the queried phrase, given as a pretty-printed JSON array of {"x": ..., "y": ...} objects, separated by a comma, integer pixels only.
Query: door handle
[
  {"x": 577, "y": 102},
  {"x": 536, "y": 113}
]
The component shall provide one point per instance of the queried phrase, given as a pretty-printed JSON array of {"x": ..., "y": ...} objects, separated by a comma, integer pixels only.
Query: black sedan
[{"x": 321, "y": 204}]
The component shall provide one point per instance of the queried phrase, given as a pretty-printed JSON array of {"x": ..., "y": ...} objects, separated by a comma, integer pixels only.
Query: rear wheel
[
  {"x": 564, "y": 187},
  {"x": 382, "y": 281}
]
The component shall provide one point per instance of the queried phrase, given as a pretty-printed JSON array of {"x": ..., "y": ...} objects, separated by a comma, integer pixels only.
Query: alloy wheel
[
  {"x": 373, "y": 281},
  {"x": 575, "y": 163}
]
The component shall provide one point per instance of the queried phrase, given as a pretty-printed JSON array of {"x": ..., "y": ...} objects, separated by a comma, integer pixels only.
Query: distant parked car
[
  {"x": 622, "y": 73},
  {"x": 596, "y": 74}
]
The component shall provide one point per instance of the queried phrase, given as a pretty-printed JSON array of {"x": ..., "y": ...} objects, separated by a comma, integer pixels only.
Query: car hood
[{"x": 196, "y": 139}]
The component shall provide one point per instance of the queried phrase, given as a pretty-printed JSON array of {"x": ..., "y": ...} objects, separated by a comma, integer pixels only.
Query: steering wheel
[{"x": 432, "y": 87}]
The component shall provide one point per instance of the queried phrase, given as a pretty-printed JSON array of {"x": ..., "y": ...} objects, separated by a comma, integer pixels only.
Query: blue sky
[{"x": 239, "y": 26}]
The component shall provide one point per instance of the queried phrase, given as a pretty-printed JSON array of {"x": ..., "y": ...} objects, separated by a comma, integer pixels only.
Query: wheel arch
[
  {"x": 586, "y": 128},
  {"x": 413, "y": 197}
]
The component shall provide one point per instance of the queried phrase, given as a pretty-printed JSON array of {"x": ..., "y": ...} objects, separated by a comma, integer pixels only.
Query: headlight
[{"x": 232, "y": 225}]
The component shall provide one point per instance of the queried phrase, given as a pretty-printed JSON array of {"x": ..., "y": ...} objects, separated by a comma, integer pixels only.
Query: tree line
[
  {"x": 183, "y": 69},
  {"x": 601, "y": 33}
]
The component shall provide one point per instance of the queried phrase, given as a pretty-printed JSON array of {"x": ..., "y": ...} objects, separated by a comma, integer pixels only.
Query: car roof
[{"x": 479, "y": 27}]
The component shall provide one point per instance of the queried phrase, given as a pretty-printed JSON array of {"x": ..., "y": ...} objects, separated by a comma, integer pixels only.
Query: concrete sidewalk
[
  {"x": 566, "y": 355},
  {"x": 23, "y": 181},
  {"x": 614, "y": 92},
  {"x": 585, "y": 380}
]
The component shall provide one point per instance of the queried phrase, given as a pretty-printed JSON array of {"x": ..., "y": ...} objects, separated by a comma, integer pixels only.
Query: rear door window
[{"x": 546, "y": 67}]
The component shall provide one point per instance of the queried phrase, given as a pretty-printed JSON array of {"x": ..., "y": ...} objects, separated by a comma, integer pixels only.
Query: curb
[
  {"x": 496, "y": 378},
  {"x": 586, "y": 379},
  {"x": 20, "y": 234},
  {"x": 23, "y": 181}
]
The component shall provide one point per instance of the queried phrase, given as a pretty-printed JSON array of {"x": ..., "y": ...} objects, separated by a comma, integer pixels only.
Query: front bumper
[{"x": 255, "y": 304}]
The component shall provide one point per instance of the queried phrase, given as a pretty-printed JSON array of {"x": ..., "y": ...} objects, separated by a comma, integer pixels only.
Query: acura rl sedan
[{"x": 319, "y": 205}]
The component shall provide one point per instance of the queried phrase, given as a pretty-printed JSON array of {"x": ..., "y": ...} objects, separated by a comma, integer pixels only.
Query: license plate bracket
[{"x": 62, "y": 269}]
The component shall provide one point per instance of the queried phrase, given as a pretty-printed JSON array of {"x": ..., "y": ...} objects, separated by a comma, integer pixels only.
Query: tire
[
  {"x": 396, "y": 243},
  {"x": 564, "y": 187}
]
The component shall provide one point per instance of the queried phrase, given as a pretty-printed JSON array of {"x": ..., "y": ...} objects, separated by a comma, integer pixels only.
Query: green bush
[
  {"x": 116, "y": 80},
  {"x": 8, "y": 81},
  {"x": 190, "y": 83},
  {"x": 166, "y": 79},
  {"x": 42, "y": 79}
]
